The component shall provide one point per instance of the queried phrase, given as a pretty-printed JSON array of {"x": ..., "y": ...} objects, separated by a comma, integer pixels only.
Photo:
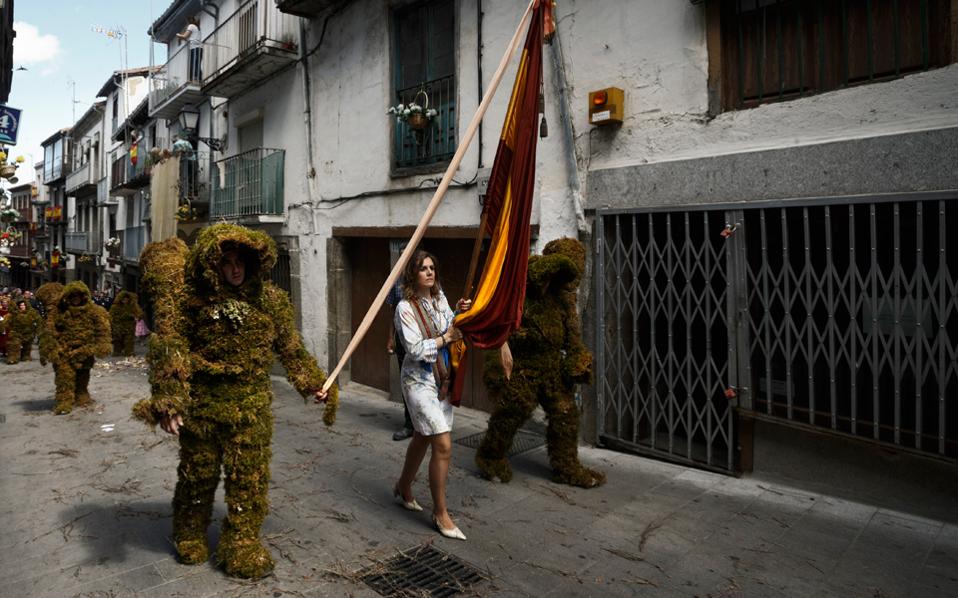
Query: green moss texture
[
  {"x": 22, "y": 329},
  {"x": 81, "y": 333},
  {"x": 210, "y": 357},
  {"x": 49, "y": 296},
  {"x": 124, "y": 313},
  {"x": 550, "y": 335}
]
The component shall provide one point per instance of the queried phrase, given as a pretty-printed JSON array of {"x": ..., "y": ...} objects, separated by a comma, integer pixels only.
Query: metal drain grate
[
  {"x": 421, "y": 571},
  {"x": 524, "y": 441}
]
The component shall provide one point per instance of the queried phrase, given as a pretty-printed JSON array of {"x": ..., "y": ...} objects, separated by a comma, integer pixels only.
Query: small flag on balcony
[
  {"x": 134, "y": 150},
  {"x": 497, "y": 306}
]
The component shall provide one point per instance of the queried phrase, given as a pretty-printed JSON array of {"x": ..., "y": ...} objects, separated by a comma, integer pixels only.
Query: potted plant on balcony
[
  {"x": 8, "y": 215},
  {"x": 113, "y": 247},
  {"x": 416, "y": 115}
]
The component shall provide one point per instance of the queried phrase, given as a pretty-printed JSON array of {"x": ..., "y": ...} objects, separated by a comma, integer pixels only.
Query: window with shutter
[
  {"x": 424, "y": 67},
  {"x": 771, "y": 50}
]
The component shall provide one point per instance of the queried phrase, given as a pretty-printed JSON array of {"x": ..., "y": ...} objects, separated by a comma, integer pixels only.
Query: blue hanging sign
[{"x": 9, "y": 124}]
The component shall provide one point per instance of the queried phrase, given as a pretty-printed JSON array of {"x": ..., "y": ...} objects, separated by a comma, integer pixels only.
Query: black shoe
[{"x": 403, "y": 434}]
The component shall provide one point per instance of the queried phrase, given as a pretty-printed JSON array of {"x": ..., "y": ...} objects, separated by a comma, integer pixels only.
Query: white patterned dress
[{"x": 429, "y": 415}]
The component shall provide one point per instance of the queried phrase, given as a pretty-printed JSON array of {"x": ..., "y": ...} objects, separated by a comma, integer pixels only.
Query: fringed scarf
[{"x": 440, "y": 370}]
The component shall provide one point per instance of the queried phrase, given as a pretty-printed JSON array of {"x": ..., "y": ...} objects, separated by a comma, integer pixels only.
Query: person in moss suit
[
  {"x": 48, "y": 296},
  {"x": 81, "y": 333},
  {"x": 124, "y": 313},
  {"x": 218, "y": 324},
  {"x": 525, "y": 374},
  {"x": 22, "y": 326}
]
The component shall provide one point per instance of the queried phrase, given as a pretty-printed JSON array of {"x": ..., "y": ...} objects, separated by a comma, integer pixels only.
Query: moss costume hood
[
  {"x": 256, "y": 249},
  {"x": 230, "y": 333},
  {"x": 123, "y": 316},
  {"x": 210, "y": 361},
  {"x": 549, "y": 360},
  {"x": 81, "y": 331}
]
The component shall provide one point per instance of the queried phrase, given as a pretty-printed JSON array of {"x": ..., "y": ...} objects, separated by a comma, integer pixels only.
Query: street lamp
[
  {"x": 189, "y": 123},
  {"x": 189, "y": 120}
]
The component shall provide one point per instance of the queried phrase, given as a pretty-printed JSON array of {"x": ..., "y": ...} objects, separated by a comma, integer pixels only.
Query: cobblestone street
[{"x": 86, "y": 512}]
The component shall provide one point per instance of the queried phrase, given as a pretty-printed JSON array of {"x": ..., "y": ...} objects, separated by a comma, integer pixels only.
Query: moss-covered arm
[
  {"x": 302, "y": 371},
  {"x": 169, "y": 359}
]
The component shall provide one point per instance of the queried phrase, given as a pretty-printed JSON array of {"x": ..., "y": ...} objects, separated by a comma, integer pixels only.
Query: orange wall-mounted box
[{"x": 606, "y": 106}]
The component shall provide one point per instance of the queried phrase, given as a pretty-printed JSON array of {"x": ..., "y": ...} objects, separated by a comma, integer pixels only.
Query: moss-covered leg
[
  {"x": 246, "y": 457},
  {"x": 117, "y": 346},
  {"x": 13, "y": 349},
  {"x": 513, "y": 407},
  {"x": 562, "y": 439},
  {"x": 26, "y": 350},
  {"x": 65, "y": 378},
  {"x": 197, "y": 477},
  {"x": 127, "y": 348},
  {"x": 82, "y": 390}
]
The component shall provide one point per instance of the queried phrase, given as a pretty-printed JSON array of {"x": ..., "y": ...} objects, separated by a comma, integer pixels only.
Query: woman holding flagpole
[{"x": 424, "y": 322}]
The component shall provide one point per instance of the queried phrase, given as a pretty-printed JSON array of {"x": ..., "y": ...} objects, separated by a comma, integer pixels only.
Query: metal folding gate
[
  {"x": 836, "y": 317},
  {"x": 664, "y": 356}
]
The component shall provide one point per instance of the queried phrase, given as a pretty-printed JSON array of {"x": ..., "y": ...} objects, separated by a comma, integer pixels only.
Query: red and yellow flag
[{"x": 497, "y": 306}]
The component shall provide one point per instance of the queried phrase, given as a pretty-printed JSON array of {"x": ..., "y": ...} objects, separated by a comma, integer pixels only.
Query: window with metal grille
[
  {"x": 424, "y": 67},
  {"x": 281, "y": 274},
  {"x": 771, "y": 50}
]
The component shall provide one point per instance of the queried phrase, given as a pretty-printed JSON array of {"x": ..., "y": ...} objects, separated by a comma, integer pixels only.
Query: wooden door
[{"x": 369, "y": 265}]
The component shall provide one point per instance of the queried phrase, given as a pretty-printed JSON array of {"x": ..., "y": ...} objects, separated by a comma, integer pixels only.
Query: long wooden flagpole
[{"x": 434, "y": 203}]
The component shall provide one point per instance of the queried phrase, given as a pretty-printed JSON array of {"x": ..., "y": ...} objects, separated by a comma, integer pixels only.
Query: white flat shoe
[
  {"x": 409, "y": 506},
  {"x": 455, "y": 533}
]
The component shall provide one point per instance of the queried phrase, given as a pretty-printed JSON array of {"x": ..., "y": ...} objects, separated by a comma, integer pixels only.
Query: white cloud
[{"x": 29, "y": 47}]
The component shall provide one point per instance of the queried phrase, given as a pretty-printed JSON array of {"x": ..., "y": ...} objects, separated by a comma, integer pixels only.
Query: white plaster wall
[{"x": 656, "y": 52}]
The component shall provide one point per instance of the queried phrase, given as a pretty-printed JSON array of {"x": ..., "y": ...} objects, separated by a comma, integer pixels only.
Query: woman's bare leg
[
  {"x": 438, "y": 472},
  {"x": 415, "y": 453}
]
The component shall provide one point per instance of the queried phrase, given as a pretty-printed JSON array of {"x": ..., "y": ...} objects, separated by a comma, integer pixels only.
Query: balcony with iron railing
[
  {"x": 248, "y": 185},
  {"x": 118, "y": 171},
  {"x": 21, "y": 248},
  {"x": 125, "y": 176},
  {"x": 132, "y": 241},
  {"x": 78, "y": 242},
  {"x": 194, "y": 183},
  {"x": 82, "y": 181},
  {"x": 173, "y": 86},
  {"x": 251, "y": 44},
  {"x": 435, "y": 143}
]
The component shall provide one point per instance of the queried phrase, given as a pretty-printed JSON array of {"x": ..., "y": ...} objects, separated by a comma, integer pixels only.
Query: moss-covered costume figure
[
  {"x": 49, "y": 296},
  {"x": 22, "y": 326},
  {"x": 210, "y": 357},
  {"x": 549, "y": 336},
  {"x": 124, "y": 313},
  {"x": 81, "y": 333}
]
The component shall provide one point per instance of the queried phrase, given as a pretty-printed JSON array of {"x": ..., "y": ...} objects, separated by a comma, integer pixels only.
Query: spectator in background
[
  {"x": 192, "y": 35},
  {"x": 394, "y": 346}
]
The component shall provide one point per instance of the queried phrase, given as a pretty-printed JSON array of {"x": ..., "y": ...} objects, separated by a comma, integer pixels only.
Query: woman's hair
[
  {"x": 193, "y": 21},
  {"x": 411, "y": 274}
]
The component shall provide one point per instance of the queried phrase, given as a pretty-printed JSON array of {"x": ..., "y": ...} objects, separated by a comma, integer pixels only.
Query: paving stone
[{"x": 689, "y": 533}]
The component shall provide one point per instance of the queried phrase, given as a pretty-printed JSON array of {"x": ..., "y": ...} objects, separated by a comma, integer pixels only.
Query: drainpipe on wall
[
  {"x": 212, "y": 9},
  {"x": 308, "y": 118},
  {"x": 568, "y": 134}
]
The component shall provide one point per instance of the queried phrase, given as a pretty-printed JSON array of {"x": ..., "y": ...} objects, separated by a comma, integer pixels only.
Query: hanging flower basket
[
  {"x": 417, "y": 115},
  {"x": 417, "y": 121}
]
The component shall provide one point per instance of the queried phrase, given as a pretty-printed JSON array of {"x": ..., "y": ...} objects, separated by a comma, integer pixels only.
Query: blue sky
[{"x": 57, "y": 45}]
